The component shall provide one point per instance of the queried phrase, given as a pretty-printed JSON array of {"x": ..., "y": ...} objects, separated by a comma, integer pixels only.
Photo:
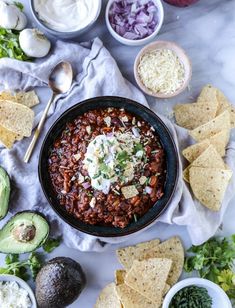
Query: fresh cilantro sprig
[
  {"x": 51, "y": 243},
  {"x": 19, "y": 5},
  {"x": 22, "y": 268},
  {"x": 214, "y": 260},
  {"x": 10, "y": 46}
]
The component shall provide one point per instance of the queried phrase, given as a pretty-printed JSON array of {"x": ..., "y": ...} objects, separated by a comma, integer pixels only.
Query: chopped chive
[
  {"x": 135, "y": 218},
  {"x": 155, "y": 151},
  {"x": 116, "y": 192}
]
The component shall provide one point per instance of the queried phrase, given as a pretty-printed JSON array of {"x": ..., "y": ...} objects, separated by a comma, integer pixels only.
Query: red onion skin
[{"x": 181, "y": 3}]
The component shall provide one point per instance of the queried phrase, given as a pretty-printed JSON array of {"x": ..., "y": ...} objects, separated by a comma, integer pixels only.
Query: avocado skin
[
  {"x": 5, "y": 193},
  {"x": 59, "y": 283},
  {"x": 24, "y": 247}
]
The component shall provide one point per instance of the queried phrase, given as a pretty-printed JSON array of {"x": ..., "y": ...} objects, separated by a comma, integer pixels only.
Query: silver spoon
[{"x": 60, "y": 81}]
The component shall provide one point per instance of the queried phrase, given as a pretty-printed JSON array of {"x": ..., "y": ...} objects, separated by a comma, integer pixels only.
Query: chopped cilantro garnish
[
  {"x": 138, "y": 147},
  {"x": 96, "y": 175},
  {"x": 104, "y": 168},
  {"x": 122, "y": 156}
]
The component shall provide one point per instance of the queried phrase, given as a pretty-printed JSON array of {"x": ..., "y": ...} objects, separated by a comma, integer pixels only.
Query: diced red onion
[
  {"x": 110, "y": 134},
  {"x": 148, "y": 190},
  {"x": 86, "y": 185},
  {"x": 133, "y": 19}
]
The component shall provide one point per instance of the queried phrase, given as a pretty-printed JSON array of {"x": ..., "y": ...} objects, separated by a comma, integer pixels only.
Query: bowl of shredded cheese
[{"x": 162, "y": 69}]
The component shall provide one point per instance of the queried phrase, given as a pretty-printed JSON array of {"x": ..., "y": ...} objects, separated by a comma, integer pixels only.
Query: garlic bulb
[
  {"x": 11, "y": 17},
  {"x": 34, "y": 43}
]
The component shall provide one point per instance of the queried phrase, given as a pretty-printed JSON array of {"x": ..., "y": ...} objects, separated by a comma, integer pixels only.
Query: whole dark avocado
[{"x": 59, "y": 283}]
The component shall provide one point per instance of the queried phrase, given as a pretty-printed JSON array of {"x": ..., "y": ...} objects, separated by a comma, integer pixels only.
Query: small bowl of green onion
[{"x": 196, "y": 292}]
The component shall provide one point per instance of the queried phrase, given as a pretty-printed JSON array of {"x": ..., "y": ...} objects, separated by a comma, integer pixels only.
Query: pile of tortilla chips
[
  {"x": 16, "y": 117},
  {"x": 150, "y": 269},
  {"x": 209, "y": 121}
]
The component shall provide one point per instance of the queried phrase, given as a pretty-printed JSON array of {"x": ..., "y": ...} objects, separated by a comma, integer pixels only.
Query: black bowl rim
[{"x": 115, "y": 229}]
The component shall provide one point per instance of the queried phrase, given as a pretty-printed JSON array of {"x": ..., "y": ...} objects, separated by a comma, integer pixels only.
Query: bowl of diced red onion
[{"x": 134, "y": 22}]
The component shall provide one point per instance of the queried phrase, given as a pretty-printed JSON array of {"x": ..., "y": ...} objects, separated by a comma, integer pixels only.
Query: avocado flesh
[
  {"x": 8, "y": 242},
  {"x": 4, "y": 192}
]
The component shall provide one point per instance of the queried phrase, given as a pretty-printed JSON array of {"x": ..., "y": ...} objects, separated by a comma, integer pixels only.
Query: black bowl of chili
[{"x": 80, "y": 199}]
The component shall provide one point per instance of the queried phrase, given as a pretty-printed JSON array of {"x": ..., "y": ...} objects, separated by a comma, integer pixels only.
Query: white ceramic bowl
[
  {"x": 184, "y": 59},
  {"x": 140, "y": 42},
  {"x": 219, "y": 297},
  {"x": 22, "y": 284},
  {"x": 64, "y": 35}
]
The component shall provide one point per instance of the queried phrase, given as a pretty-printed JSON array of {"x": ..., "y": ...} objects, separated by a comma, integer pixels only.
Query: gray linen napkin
[{"x": 96, "y": 74}]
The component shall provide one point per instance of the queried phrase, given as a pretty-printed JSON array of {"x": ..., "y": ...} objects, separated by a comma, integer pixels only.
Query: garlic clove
[
  {"x": 8, "y": 16},
  {"x": 22, "y": 21},
  {"x": 34, "y": 43}
]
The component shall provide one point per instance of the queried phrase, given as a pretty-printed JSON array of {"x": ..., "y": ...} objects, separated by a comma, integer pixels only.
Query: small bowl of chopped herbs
[{"x": 196, "y": 293}]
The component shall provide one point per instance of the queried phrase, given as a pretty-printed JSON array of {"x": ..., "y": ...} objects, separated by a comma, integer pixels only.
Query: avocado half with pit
[
  {"x": 4, "y": 192},
  {"x": 24, "y": 232},
  {"x": 59, "y": 283}
]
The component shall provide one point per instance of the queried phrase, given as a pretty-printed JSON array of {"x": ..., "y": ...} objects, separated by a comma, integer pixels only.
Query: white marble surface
[{"x": 206, "y": 31}]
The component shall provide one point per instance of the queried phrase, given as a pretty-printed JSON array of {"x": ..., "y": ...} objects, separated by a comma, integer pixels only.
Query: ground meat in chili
[{"x": 133, "y": 167}]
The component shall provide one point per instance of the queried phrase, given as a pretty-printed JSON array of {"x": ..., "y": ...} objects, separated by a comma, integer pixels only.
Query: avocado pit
[{"x": 24, "y": 233}]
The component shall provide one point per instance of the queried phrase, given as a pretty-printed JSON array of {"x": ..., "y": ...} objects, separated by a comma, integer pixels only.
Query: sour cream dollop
[
  {"x": 66, "y": 15},
  {"x": 110, "y": 158}
]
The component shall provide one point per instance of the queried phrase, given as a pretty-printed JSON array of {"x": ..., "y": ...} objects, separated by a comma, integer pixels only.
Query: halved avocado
[
  {"x": 24, "y": 232},
  {"x": 4, "y": 192}
]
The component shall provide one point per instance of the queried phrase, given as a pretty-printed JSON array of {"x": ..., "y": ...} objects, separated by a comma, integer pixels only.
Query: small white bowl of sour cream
[
  {"x": 65, "y": 19},
  {"x": 218, "y": 296},
  {"x": 159, "y": 14},
  {"x": 6, "y": 281}
]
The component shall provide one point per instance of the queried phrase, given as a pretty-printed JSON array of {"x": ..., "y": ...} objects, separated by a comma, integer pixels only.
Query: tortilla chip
[
  {"x": 195, "y": 150},
  {"x": 7, "y": 138},
  {"x": 219, "y": 141},
  {"x": 148, "y": 277},
  {"x": 193, "y": 115},
  {"x": 232, "y": 114},
  {"x": 224, "y": 104},
  {"x": 210, "y": 158},
  {"x": 213, "y": 127},
  {"x": 209, "y": 185},
  {"x": 170, "y": 249},
  {"x": 28, "y": 99},
  {"x": 127, "y": 255},
  {"x": 7, "y": 96},
  {"x": 108, "y": 298},
  {"x": 16, "y": 118},
  {"x": 132, "y": 299},
  {"x": 129, "y": 191},
  {"x": 120, "y": 277},
  {"x": 208, "y": 94}
]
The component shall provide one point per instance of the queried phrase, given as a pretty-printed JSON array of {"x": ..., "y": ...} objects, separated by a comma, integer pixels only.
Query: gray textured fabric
[{"x": 96, "y": 74}]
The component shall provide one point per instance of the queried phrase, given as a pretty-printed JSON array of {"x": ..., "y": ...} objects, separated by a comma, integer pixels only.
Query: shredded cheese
[{"x": 161, "y": 71}]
